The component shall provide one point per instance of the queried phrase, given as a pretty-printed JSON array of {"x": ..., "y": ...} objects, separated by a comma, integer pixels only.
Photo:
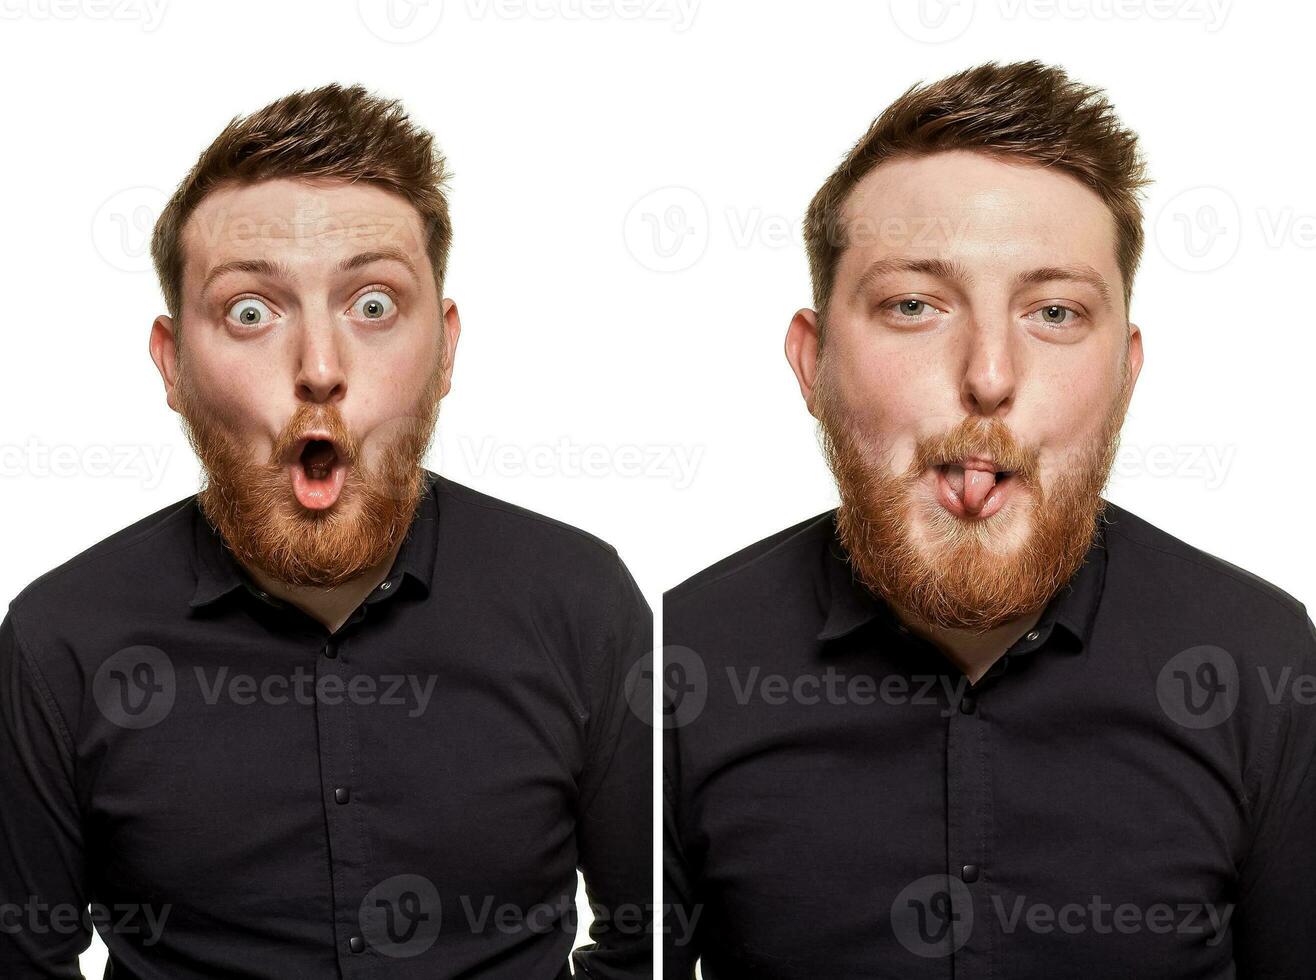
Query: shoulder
[
  {"x": 1184, "y": 599},
  {"x": 570, "y": 586},
  {"x": 508, "y": 527},
  {"x": 63, "y": 623},
  {"x": 772, "y": 563},
  {"x": 148, "y": 550},
  {"x": 545, "y": 560},
  {"x": 1201, "y": 581}
]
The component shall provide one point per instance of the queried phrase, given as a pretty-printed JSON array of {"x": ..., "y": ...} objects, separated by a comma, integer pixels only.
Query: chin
[{"x": 1003, "y": 533}]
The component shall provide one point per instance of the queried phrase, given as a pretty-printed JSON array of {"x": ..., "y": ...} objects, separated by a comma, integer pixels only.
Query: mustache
[
  {"x": 324, "y": 419},
  {"x": 988, "y": 438}
]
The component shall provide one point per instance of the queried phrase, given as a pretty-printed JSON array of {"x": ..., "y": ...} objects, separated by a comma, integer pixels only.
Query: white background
[{"x": 630, "y": 384}]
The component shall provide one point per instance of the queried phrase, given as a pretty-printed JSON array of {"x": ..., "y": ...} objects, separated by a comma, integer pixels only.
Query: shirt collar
[
  {"x": 218, "y": 572},
  {"x": 1074, "y": 606}
]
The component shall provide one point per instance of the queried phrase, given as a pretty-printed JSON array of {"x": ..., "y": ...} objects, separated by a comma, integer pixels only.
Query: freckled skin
[
  {"x": 981, "y": 347},
  {"x": 319, "y": 349},
  {"x": 363, "y": 344}
]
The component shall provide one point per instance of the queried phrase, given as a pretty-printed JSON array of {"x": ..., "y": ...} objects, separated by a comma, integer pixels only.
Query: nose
[
  {"x": 320, "y": 374},
  {"x": 988, "y": 384}
]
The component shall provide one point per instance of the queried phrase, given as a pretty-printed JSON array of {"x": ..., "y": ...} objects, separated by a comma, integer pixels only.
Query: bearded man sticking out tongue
[{"x": 976, "y": 695}]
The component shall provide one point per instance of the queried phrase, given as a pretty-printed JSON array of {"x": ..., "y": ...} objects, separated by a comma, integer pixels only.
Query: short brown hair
[
  {"x": 1023, "y": 111},
  {"x": 323, "y": 133}
]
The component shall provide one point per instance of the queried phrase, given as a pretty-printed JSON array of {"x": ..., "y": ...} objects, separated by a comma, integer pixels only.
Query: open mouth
[
  {"x": 318, "y": 458},
  {"x": 973, "y": 490},
  {"x": 318, "y": 473}
]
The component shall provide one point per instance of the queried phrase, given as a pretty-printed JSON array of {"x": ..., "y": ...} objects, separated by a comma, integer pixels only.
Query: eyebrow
[
  {"x": 1066, "y": 273},
  {"x": 937, "y": 268},
  {"x": 955, "y": 272},
  {"x": 279, "y": 270}
]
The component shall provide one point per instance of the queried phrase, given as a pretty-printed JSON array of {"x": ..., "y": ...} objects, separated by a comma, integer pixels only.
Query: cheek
[
  {"x": 238, "y": 392},
  {"x": 1069, "y": 426},
  {"x": 871, "y": 373},
  {"x": 893, "y": 397},
  {"x": 387, "y": 387}
]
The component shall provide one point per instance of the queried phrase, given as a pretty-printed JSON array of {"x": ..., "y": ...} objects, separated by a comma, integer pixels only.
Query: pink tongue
[
  {"x": 977, "y": 485},
  {"x": 973, "y": 486}
]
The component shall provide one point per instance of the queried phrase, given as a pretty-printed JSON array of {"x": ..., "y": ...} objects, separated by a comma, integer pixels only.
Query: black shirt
[
  {"x": 1129, "y": 792},
  {"x": 238, "y": 793}
]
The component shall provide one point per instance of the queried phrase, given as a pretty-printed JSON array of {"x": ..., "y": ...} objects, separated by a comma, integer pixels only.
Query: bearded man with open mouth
[{"x": 334, "y": 715}]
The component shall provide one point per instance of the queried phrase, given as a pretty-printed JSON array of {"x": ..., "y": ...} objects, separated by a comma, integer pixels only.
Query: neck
[
  {"x": 973, "y": 653},
  {"x": 330, "y": 606}
]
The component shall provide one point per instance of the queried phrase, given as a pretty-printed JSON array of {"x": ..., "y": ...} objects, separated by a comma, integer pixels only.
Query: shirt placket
[
  {"x": 969, "y": 818},
  {"x": 337, "y": 774},
  {"x": 337, "y": 747},
  {"x": 340, "y": 770}
]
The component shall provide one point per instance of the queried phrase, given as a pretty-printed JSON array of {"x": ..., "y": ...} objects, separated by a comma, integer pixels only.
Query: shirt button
[
  {"x": 262, "y": 595},
  {"x": 969, "y": 872},
  {"x": 357, "y": 944},
  {"x": 1032, "y": 635},
  {"x": 342, "y": 794},
  {"x": 330, "y": 651},
  {"x": 968, "y": 704},
  {"x": 386, "y": 586}
]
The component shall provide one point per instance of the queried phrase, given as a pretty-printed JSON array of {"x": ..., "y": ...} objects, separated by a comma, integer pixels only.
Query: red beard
[
  {"x": 965, "y": 575},
  {"x": 253, "y": 507}
]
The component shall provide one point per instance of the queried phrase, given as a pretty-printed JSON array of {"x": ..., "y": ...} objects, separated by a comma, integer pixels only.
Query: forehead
[
  {"x": 983, "y": 211},
  {"x": 300, "y": 222}
]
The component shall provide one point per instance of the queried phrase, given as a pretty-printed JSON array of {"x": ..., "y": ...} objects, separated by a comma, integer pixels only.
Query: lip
[
  {"x": 316, "y": 493},
  {"x": 983, "y": 463},
  {"x": 319, "y": 494},
  {"x": 996, "y": 500},
  {"x": 312, "y": 435}
]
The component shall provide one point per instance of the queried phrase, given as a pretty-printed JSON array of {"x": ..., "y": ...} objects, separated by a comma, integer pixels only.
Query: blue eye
[
  {"x": 911, "y": 307},
  {"x": 375, "y": 305},
  {"x": 250, "y": 312}
]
